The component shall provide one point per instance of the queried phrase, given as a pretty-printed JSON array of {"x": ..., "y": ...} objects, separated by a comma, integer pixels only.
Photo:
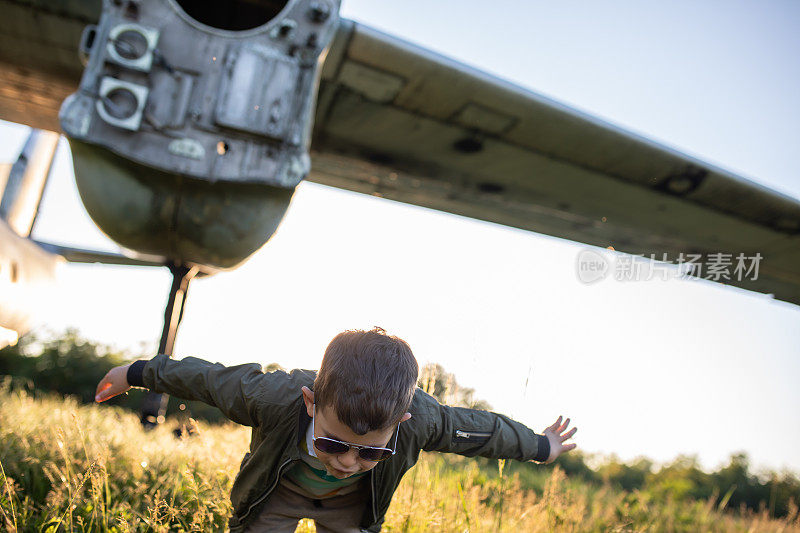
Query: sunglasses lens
[
  {"x": 374, "y": 454},
  {"x": 333, "y": 447},
  {"x": 330, "y": 446}
]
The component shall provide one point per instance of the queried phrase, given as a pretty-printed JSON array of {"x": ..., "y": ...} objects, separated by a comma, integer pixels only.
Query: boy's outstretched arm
[
  {"x": 556, "y": 438},
  {"x": 240, "y": 392},
  {"x": 474, "y": 432}
]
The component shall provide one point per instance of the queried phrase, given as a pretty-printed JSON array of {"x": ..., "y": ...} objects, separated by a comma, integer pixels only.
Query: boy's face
[{"x": 327, "y": 424}]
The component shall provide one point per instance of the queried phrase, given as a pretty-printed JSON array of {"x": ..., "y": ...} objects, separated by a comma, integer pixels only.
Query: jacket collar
[{"x": 303, "y": 421}]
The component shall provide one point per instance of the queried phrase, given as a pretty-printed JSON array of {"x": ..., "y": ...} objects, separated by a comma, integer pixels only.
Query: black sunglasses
[{"x": 368, "y": 453}]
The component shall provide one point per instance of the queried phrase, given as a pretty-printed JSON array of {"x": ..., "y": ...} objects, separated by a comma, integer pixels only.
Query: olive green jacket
[{"x": 272, "y": 404}]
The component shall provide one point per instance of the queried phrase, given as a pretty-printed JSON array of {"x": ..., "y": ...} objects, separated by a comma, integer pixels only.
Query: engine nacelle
[{"x": 188, "y": 139}]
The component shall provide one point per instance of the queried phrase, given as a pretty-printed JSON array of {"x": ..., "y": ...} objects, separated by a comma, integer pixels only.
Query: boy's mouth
[{"x": 340, "y": 474}]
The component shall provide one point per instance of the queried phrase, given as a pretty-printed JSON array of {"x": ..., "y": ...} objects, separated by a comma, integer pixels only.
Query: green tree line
[{"x": 71, "y": 365}]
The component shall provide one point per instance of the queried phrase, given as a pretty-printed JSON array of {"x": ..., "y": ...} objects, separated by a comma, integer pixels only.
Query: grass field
[{"x": 67, "y": 467}]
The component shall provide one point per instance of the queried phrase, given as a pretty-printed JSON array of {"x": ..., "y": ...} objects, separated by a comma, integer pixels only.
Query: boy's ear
[
  {"x": 308, "y": 399},
  {"x": 405, "y": 417}
]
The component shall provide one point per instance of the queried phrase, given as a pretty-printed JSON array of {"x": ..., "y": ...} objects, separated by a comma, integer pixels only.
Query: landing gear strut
[{"x": 154, "y": 405}]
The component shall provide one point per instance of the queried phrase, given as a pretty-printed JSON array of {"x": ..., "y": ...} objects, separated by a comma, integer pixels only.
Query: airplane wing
[
  {"x": 401, "y": 122},
  {"x": 398, "y": 121},
  {"x": 80, "y": 255}
]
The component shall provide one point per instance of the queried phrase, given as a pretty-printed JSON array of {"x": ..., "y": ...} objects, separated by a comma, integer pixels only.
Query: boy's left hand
[
  {"x": 113, "y": 383},
  {"x": 556, "y": 436}
]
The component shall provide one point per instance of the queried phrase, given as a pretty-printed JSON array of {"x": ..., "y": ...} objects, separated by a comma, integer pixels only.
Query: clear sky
[{"x": 652, "y": 368}]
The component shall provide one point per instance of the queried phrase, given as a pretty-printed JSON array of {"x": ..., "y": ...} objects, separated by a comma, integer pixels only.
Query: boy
[{"x": 334, "y": 445}]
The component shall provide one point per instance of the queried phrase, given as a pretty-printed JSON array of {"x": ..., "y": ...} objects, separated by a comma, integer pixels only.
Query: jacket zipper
[
  {"x": 267, "y": 493},
  {"x": 470, "y": 434},
  {"x": 374, "y": 505}
]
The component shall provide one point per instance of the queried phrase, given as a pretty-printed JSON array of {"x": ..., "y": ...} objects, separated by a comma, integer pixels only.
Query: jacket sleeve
[
  {"x": 473, "y": 432},
  {"x": 238, "y": 391}
]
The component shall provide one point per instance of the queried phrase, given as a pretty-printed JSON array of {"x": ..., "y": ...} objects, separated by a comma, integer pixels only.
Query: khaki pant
[{"x": 285, "y": 508}]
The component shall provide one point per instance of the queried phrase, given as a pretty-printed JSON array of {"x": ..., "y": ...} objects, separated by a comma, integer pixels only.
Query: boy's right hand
[
  {"x": 113, "y": 383},
  {"x": 556, "y": 437}
]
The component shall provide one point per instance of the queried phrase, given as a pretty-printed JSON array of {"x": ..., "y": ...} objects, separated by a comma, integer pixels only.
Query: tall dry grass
[
  {"x": 67, "y": 467},
  {"x": 90, "y": 468}
]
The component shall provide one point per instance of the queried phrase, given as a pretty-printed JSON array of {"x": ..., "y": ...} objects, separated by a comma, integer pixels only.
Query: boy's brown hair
[{"x": 368, "y": 378}]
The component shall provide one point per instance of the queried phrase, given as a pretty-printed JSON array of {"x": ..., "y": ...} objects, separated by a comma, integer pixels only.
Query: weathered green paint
[{"x": 218, "y": 225}]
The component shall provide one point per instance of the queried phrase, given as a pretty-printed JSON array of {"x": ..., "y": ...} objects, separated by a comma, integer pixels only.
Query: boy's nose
[{"x": 349, "y": 459}]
